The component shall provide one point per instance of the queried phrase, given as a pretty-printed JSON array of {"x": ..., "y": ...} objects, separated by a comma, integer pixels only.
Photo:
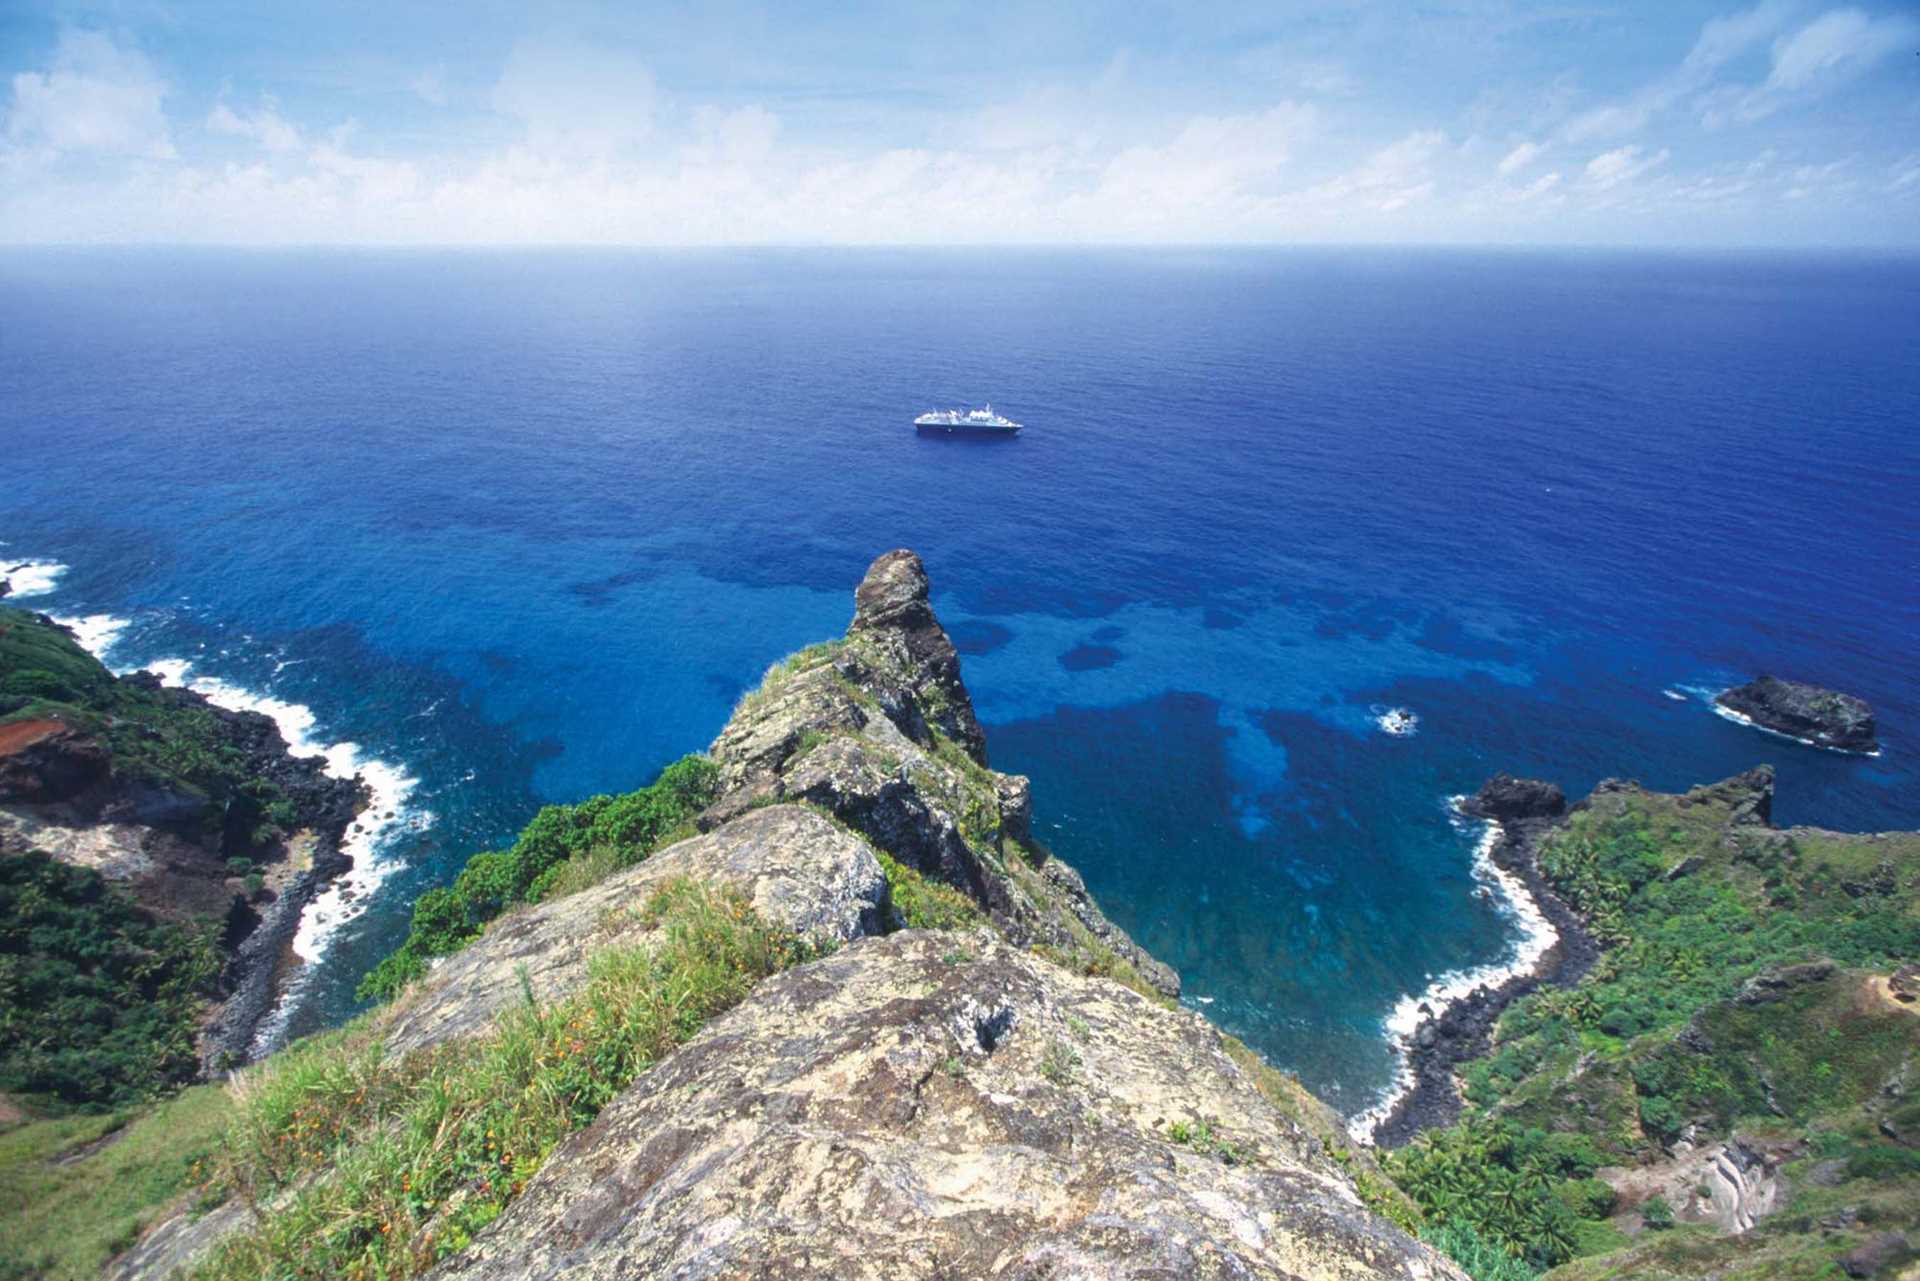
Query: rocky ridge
[
  {"x": 878, "y": 730},
  {"x": 1021, "y": 1099}
]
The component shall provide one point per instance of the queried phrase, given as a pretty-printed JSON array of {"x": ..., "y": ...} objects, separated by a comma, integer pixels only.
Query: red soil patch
[{"x": 24, "y": 734}]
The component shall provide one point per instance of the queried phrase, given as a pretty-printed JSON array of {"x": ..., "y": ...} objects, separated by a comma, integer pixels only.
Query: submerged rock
[
  {"x": 1822, "y": 717},
  {"x": 941, "y": 1105}
]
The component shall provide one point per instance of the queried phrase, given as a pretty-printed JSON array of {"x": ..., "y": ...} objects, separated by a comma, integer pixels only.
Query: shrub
[
  {"x": 1656, "y": 1213},
  {"x": 1588, "y": 1198},
  {"x": 922, "y": 903},
  {"x": 99, "y": 1003},
  {"x": 562, "y": 849},
  {"x": 1478, "y": 1258}
]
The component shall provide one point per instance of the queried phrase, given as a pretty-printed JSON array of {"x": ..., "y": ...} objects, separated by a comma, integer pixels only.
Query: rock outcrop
[
  {"x": 44, "y": 761},
  {"x": 1504, "y": 798},
  {"x": 798, "y": 869},
  {"x": 1822, "y": 717},
  {"x": 878, "y": 729},
  {"x": 941, "y": 1105},
  {"x": 176, "y": 802}
]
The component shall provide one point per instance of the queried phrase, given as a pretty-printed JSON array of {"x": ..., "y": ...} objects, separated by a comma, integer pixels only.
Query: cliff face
[
  {"x": 1017, "y": 1098},
  {"x": 198, "y": 814}
]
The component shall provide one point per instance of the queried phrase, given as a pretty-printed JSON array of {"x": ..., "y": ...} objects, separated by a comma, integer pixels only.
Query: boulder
[
  {"x": 1875, "y": 1254},
  {"x": 932, "y": 1105},
  {"x": 1822, "y": 717},
  {"x": 798, "y": 868},
  {"x": 1782, "y": 980},
  {"x": 1504, "y": 798}
]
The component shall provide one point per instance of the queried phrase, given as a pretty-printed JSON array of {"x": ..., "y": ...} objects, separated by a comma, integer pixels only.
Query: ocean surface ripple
[{"x": 500, "y": 529}]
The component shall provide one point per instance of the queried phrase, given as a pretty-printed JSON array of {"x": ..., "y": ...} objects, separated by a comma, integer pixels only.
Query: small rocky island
[{"x": 1809, "y": 713}]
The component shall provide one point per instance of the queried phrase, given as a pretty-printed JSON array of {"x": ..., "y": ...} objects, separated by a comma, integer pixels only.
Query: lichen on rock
[{"x": 937, "y": 1104}]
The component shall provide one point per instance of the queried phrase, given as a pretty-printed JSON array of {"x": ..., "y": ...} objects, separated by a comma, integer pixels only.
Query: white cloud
[
  {"x": 1538, "y": 187},
  {"x": 264, "y": 127},
  {"x": 1610, "y": 169},
  {"x": 97, "y": 96},
  {"x": 1828, "y": 52},
  {"x": 430, "y": 86},
  {"x": 1835, "y": 45},
  {"x": 1519, "y": 158},
  {"x": 1904, "y": 173},
  {"x": 1391, "y": 178},
  {"x": 1721, "y": 40},
  {"x": 576, "y": 99},
  {"x": 1212, "y": 158}
]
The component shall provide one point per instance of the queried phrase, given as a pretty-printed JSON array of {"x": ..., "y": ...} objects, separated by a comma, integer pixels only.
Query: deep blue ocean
[{"x": 522, "y": 526}]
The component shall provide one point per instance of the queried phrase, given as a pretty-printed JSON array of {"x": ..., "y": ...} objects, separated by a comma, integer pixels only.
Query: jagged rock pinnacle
[{"x": 891, "y": 609}]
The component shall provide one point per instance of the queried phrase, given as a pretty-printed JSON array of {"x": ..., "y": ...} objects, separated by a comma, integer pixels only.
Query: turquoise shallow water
[{"x": 522, "y": 527}]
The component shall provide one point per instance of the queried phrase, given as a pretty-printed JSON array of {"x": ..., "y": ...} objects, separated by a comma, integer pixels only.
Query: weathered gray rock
[
  {"x": 878, "y": 729},
  {"x": 1822, "y": 717},
  {"x": 892, "y": 614},
  {"x": 933, "y": 1105},
  {"x": 180, "y": 1242},
  {"x": 798, "y": 868}
]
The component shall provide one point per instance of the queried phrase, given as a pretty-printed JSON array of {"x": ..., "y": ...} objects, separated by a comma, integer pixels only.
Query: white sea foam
[
  {"x": 388, "y": 813},
  {"x": 1678, "y": 696},
  {"x": 96, "y": 633},
  {"x": 1536, "y": 936},
  {"x": 1397, "y": 721},
  {"x": 30, "y": 577}
]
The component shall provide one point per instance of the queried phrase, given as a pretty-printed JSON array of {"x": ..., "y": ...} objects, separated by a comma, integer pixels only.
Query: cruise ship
[{"x": 953, "y": 420}]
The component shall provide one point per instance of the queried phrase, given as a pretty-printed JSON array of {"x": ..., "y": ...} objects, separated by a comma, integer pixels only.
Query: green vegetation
[
  {"x": 1735, "y": 996},
  {"x": 75, "y": 1190},
  {"x": 99, "y": 1003},
  {"x": 1203, "y": 1138},
  {"x": 366, "y": 1168},
  {"x": 564, "y": 848},
  {"x": 1481, "y": 1259},
  {"x": 160, "y": 736},
  {"x": 922, "y": 903}
]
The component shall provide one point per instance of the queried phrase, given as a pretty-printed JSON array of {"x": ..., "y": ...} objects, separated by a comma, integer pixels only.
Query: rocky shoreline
[
  {"x": 1523, "y": 813},
  {"x": 182, "y": 852}
]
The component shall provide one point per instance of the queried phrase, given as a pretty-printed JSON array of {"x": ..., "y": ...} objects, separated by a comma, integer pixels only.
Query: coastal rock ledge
[
  {"x": 932, "y": 1104},
  {"x": 1821, "y": 717}
]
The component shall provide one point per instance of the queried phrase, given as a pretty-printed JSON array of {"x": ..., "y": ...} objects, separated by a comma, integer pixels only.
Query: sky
[{"x": 1787, "y": 122}]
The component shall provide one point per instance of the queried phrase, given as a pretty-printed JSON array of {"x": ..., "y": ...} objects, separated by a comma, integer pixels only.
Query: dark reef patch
[
  {"x": 600, "y": 591},
  {"x": 1444, "y": 635},
  {"x": 1087, "y": 658},
  {"x": 979, "y": 635}
]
